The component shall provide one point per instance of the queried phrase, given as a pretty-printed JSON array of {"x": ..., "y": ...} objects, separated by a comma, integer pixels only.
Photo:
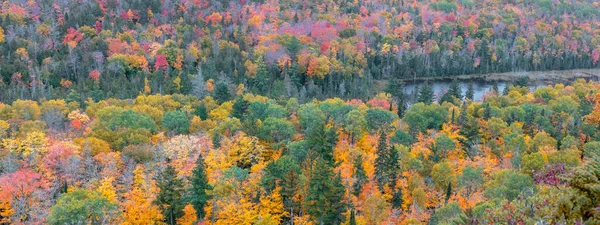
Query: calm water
[{"x": 479, "y": 87}]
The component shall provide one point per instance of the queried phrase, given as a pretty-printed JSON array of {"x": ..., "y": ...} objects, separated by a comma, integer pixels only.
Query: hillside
[
  {"x": 298, "y": 112},
  {"x": 292, "y": 48}
]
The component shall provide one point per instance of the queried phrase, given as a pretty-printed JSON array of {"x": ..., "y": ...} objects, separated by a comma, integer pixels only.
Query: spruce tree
[
  {"x": 381, "y": 162},
  {"x": 352, "y": 220},
  {"x": 448, "y": 192},
  {"x": 495, "y": 88},
  {"x": 198, "y": 186},
  {"x": 169, "y": 197},
  {"x": 506, "y": 90},
  {"x": 325, "y": 199},
  {"x": 397, "y": 200},
  {"x": 470, "y": 94},
  {"x": 202, "y": 112},
  {"x": 359, "y": 176},
  {"x": 392, "y": 166},
  {"x": 426, "y": 94},
  {"x": 321, "y": 141},
  {"x": 240, "y": 108},
  {"x": 401, "y": 104},
  {"x": 455, "y": 90},
  {"x": 221, "y": 93},
  {"x": 488, "y": 111}
]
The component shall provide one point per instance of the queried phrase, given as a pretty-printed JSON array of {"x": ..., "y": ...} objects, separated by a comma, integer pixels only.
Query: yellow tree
[
  {"x": 107, "y": 189},
  {"x": 138, "y": 207},
  {"x": 272, "y": 206},
  {"x": 190, "y": 216}
]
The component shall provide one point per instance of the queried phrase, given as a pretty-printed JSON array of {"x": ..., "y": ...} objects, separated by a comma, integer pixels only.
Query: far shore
[{"x": 538, "y": 77}]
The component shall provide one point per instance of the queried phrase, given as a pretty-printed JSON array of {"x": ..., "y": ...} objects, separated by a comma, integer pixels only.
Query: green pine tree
[
  {"x": 448, "y": 192},
  {"x": 470, "y": 92},
  {"x": 321, "y": 141},
  {"x": 198, "y": 186},
  {"x": 325, "y": 199},
  {"x": 202, "y": 112},
  {"x": 222, "y": 92},
  {"x": 426, "y": 94},
  {"x": 397, "y": 200},
  {"x": 454, "y": 89},
  {"x": 352, "y": 220},
  {"x": 169, "y": 197},
  {"x": 240, "y": 108},
  {"x": 392, "y": 166},
  {"x": 359, "y": 176},
  {"x": 381, "y": 162}
]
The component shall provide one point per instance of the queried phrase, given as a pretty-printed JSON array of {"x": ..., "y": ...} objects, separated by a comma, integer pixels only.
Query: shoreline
[{"x": 539, "y": 77}]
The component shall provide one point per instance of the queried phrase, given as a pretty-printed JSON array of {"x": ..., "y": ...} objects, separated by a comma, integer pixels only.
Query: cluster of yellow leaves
[
  {"x": 79, "y": 116},
  {"x": 34, "y": 143},
  {"x": 132, "y": 61},
  {"x": 22, "y": 53},
  {"x": 107, "y": 190},
  {"x": 138, "y": 207},
  {"x": 189, "y": 216},
  {"x": 221, "y": 112},
  {"x": 6, "y": 211},
  {"x": 94, "y": 145},
  {"x": 3, "y": 128},
  {"x": 319, "y": 67},
  {"x": 1, "y": 35}
]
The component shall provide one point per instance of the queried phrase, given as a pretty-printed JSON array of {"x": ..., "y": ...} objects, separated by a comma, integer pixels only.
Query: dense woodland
[
  {"x": 518, "y": 157},
  {"x": 99, "y": 49},
  {"x": 263, "y": 112}
]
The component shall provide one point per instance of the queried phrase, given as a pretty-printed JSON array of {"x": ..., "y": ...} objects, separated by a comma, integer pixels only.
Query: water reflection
[{"x": 480, "y": 88}]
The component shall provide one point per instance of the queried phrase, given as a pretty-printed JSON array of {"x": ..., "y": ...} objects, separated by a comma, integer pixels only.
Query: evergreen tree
[
  {"x": 392, "y": 166},
  {"x": 448, "y": 192},
  {"x": 198, "y": 186},
  {"x": 397, "y": 200},
  {"x": 396, "y": 88},
  {"x": 462, "y": 117},
  {"x": 455, "y": 90},
  {"x": 401, "y": 104},
  {"x": 470, "y": 94},
  {"x": 495, "y": 88},
  {"x": 240, "y": 108},
  {"x": 381, "y": 162},
  {"x": 426, "y": 94},
  {"x": 169, "y": 197},
  {"x": 222, "y": 92},
  {"x": 506, "y": 90},
  {"x": 359, "y": 176},
  {"x": 322, "y": 141},
  {"x": 325, "y": 199},
  {"x": 352, "y": 220},
  {"x": 201, "y": 111},
  {"x": 488, "y": 111}
]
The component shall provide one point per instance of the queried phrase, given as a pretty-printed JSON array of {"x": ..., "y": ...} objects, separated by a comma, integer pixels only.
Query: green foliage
[
  {"x": 121, "y": 127},
  {"x": 379, "y": 118},
  {"x": 221, "y": 93},
  {"x": 444, "y": 6},
  {"x": 359, "y": 176},
  {"x": 169, "y": 198},
  {"x": 176, "y": 121},
  {"x": 421, "y": 117},
  {"x": 325, "y": 200},
  {"x": 509, "y": 184},
  {"x": 198, "y": 187},
  {"x": 449, "y": 214},
  {"x": 276, "y": 130},
  {"x": 426, "y": 94},
  {"x": 80, "y": 206}
]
